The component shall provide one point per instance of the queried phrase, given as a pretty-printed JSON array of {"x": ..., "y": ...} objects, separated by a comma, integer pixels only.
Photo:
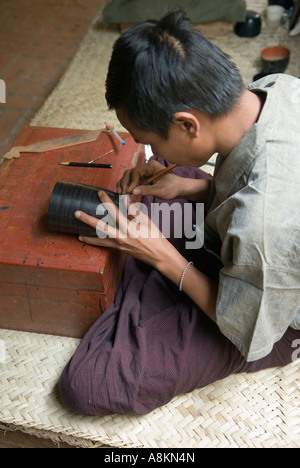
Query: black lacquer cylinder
[{"x": 68, "y": 197}]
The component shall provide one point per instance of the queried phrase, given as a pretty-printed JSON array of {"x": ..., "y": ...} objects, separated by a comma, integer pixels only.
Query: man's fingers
[
  {"x": 116, "y": 215},
  {"x": 108, "y": 225},
  {"x": 96, "y": 241},
  {"x": 137, "y": 176},
  {"x": 85, "y": 218}
]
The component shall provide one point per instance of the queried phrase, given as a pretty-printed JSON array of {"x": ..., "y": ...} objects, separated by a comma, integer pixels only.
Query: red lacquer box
[{"x": 50, "y": 282}]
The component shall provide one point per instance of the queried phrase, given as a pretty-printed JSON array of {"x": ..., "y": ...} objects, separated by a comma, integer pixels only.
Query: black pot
[
  {"x": 68, "y": 197},
  {"x": 275, "y": 59},
  {"x": 249, "y": 28}
]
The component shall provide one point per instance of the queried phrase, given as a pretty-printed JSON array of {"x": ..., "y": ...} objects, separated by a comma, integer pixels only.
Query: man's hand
[
  {"x": 168, "y": 187},
  {"x": 133, "y": 233},
  {"x": 138, "y": 236}
]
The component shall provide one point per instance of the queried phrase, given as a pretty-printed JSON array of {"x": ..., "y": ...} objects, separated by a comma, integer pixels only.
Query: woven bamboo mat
[{"x": 253, "y": 410}]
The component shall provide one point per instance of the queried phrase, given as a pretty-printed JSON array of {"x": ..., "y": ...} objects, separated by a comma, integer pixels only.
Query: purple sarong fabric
[{"x": 154, "y": 343}]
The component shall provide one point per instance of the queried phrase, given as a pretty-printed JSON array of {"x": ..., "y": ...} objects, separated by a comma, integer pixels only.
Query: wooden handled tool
[
  {"x": 57, "y": 143},
  {"x": 160, "y": 173}
]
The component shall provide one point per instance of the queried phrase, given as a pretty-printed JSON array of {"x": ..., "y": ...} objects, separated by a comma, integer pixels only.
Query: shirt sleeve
[
  {"x": 259, "y": 285},
  {"x": 255, "y": 316}
]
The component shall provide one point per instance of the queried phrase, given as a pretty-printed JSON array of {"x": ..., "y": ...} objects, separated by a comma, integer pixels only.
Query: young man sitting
[{"x": 177, "y": 325}]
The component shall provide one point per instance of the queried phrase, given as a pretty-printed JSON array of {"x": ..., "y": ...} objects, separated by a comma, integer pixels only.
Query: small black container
[
  {"x": 249, "y": 28},
  {"x": 68, "y": 197}
]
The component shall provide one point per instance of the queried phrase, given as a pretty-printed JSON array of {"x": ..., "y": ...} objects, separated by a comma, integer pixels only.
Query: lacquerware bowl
[
  {"x": 275, "y": 59},
  {"x": 68, "y": 197}
]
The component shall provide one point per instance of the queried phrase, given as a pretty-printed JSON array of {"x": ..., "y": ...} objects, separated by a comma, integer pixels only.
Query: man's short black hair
[{"x": 162, "y": 67}]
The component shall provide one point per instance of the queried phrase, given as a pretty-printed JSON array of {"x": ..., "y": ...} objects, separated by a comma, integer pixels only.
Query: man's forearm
[
  {"x": 200, "y": 288},
  {"x": 196, "y": 190}
]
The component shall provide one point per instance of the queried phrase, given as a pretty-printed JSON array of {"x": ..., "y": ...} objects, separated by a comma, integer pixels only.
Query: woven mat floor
[
  {"x": 253, "y": 410},
  {"x": 78, "y": 101}
]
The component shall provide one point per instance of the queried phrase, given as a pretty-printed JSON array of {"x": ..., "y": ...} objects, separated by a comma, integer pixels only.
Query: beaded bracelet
[{"x": 183, "y": 275}]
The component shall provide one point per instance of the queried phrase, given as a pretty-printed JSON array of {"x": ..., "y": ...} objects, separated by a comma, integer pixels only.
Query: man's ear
[{"x": 188, "y": 123}]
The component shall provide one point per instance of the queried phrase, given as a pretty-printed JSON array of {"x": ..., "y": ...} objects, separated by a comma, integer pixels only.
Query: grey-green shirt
[{"x": 253, "y": 224}]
